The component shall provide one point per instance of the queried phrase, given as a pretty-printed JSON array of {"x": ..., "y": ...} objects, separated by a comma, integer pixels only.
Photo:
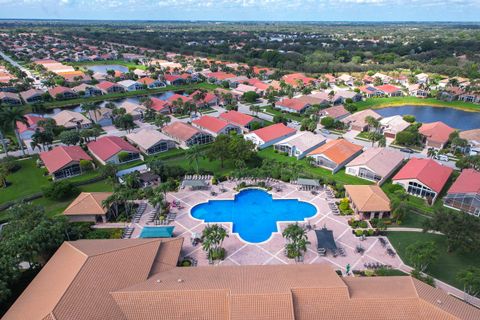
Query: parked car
[
  {"x": 442, "y": 157},
  {"x": 407, "y": 150},
  {"x": 325, "y": 131}
]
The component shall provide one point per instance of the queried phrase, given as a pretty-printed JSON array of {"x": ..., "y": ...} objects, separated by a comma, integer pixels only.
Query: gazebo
[{"x": 308, "y": 184}]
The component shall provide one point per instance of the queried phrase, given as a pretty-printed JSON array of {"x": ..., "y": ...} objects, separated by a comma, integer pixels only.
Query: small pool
[
  {"x": 254, "y": 213},
  {"x": 157, "y": 232}
]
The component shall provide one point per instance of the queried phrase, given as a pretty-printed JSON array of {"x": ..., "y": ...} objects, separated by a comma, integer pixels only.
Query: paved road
[{"x": 36, "y": 83}]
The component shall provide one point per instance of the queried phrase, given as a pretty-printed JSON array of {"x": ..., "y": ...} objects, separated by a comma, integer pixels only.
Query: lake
[
  {"x": 455, "y": 118},
  {"x": 104, "y": 68}
]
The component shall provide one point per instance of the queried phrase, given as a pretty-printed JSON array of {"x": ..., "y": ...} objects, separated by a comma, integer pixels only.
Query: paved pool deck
[{"x": 240, "y": 252}]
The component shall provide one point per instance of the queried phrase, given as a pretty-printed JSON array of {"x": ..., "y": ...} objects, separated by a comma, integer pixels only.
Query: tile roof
[
  {"x": 77, "y": 280},
  {"x": 210, "y": 123},
  {"x": 69, "y": 119},
  {"x": 58, "y": 90},
  {"x": 105, "y": 85},
  {"x": 237, "y": 117},
  {"x": 158, "y": 104},
  {"x": 78, "y": 283},
  {"x": 467, "y": 182},
  {"x": 177, "y": 96},
  {"x": 220, "y": 75},
  {"x": 368, "y": 198},
  {"x": 180, "y": 131},
  {"x": 273, "y": 132},
  {"x": 471, "y": 135},
  {"x": 427, "y": 171},
  {"x": 147, "y": 138},
  {"x": 294, "y": 104},
  {"x": 394, "y": 124},
  {"x": 106, "y": 147},
  {"x": 32, "y": 123},
  {"x": 31, "y": 93},
  {"x": 304, "y": 140},
  {"x": 88, "y": 203},
  {"x": 388, "y": 88},
  {"x": 436, "y": 131},
  {"x": 358, "y": 118},
  {"x": 380, "y": 160},
  {"x": 338, "y": 150},
  {"x": 59, "y": 157},
  {"x": 335, "y": 111}
]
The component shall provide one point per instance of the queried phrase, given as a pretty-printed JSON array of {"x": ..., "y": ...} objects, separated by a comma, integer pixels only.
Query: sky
[{"x": 250, "y": 10}]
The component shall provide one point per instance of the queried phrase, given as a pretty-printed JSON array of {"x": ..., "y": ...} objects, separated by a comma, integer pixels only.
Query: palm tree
[
  {"x": 212, "y": 239},
  {"x": 3, "y": 121},
  {"x": 297, "y": 241},
  {"x": 14, "y": 115},
  {"x": 431, "y": 153},
  {"x": 156, "y": 199},
  {"x": 193, "y": 155},
  {"x": 91, "y": 108}
]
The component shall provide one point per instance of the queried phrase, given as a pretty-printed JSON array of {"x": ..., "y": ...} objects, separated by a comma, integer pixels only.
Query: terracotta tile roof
[
  {"x": 211, "y": 123},
  {"x": 292, "y": 79},
  {"x": 427, "y": 171},
  {"x": 237, "y": 117},
  {"x": 106, "y": 147},
  {"x": 30, "y": 93},
  {"x": 379, "y": 160},
  {"x": 88, "y": 203},
  {"x": 32, "y": 123},
  {"x": 146, "y": 81},
  {"x": 158, "y": 104},
  {"x": 335, "y": 111},
  {"x": 177, "y": 96},
  {"x": 436, "y": 131},
  {"x": 61, "y": 156},
  {"x": 388, "y": 88},
  {"x": 180, "y": 131},
  {"x": 220, "y": 75},
  {"x": 147, "y": 138},
  {"x": 59, "y": 90},
  {"x": 272, "y": 132},
  {"x": 105, "y": 85},
  {"x": 368, "y": 198},
  {"x": 467, "y": 182},
  {"x": 337, "y": 151},
  {"x": 83, "y": 278}
]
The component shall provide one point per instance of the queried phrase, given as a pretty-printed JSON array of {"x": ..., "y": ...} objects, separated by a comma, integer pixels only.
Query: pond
[
  {"x": 118, "y": 102},
  {"x": 455, "y": 118},
  {"x": 253, "y": 213},
  {"x": 104, "y": 68}
]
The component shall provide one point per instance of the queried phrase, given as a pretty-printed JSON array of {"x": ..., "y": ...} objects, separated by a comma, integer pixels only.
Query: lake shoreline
[{"x": 374, "y": 103}]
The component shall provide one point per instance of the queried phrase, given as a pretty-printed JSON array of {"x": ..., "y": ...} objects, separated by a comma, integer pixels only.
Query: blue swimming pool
[
  {"x": 254, "y": 213},
  {"x": 157, "y": 232}
]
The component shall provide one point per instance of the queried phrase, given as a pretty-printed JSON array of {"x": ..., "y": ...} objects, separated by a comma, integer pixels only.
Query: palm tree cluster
[
  {"x": 297, "y": 241},
  {"x": 212, "y": 239},
  {"x": 9, "y": 118}
]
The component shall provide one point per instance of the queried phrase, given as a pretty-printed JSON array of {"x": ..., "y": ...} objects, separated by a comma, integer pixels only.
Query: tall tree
[
  {"x": 193, "y": 155},
  {"x": 421, "y": 254},
  {"x": 470, "y": 278},
  {"x": 14, "y": 115}
]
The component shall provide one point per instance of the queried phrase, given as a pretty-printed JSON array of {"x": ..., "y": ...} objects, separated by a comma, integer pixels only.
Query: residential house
[
  {"x": 87, "y": 90},
  {"x": 209, "y": 99},
  {"x": 368, "y": 202},
  {"x": 335, "y": 154},
  {"x": 370, "y": 92},
  {"x": 64, "y": 161},
  {"x": 473, "y": 138},
  {"x": 219, "y": 76},
  {"x": 112, "y": 149},
  {"x": 215, "y": 126},
  {"x": 344, "y": 95},
  {"x": 10, "y": 98},
  {"x": 451, "y": 93},
  {"x": 72, "y": 120},
  {"x": 174, "y": 79},
  {"x": 347, "y": 79},
  {"x": 161, "y": 106},
  {"x": 88, "y": 207},
  {"x": 151, "y": 83},
  {"x": 102, "y": 116},
  {"x": 424, "y": 178},
  {"x": 357, "y": 120},
  {"x": 295, "y": 79},
  {"x": 336, "y": 112},
  {"x": 418, "y": 90},
  {"x": 151, "y": 141},
  {"x": 139, "y": 279},
  {"x": 473, "y": 97},
  {"x": 130, "y": 85},
  {"x": 26, "y": 131},
  {"x": 294, "y": 105},
  {"x": 389, "y": 90},
  {"x": 108, "y": 87},
  {"x": 267, "y": 136},
  {"x": 300, "y": 144},
  {"x": 75, "y": 76},
  {"x": 385, "y": 79},
  {"x": 464, "y": 194},
  {"x": 175, "y": 97},
  {"x": 436, "y": 134},
  {"x": 375, "y": 164},
  {"x": 393, "y": 125},
  {"x": 137, "y": 111},
  {"x": 32, "y": 95},
  {"x": 186, "y": 135},
  {"x": 241, "y": 89},
  {"x": 323, "y": 98},
  {"x": 62, "y": 93},
  {"x": 242, "y": 120},
  {"x": 422, "y": 78}
]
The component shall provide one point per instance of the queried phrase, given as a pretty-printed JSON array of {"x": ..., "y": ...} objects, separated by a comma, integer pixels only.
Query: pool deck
[{"x": 271, "y": 251}]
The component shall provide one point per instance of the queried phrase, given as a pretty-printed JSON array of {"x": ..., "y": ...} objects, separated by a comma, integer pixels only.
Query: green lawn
[
  {"x": 124, "y": 63},
  {"x": 291, "y": 116},
  {"x": 447, "y": 265},
  {"x": 376, "y": 103},
  {"x": 26, "y": 181},
  {"x": 340, "y": 176},
  {"x": 114, "y": 96}
]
